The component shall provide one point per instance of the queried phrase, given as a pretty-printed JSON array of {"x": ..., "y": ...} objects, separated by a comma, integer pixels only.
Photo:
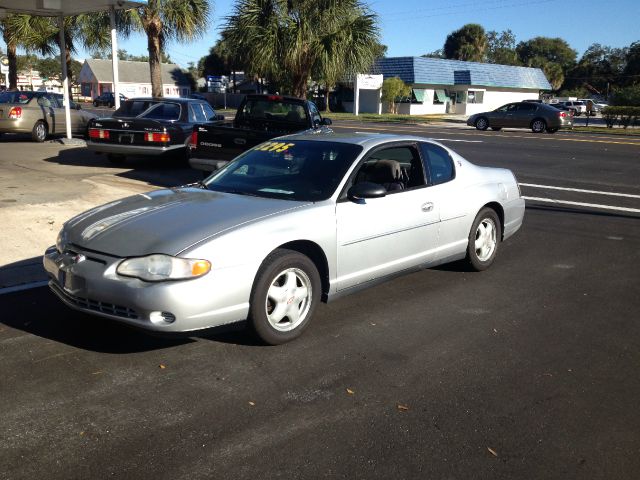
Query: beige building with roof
[{"x": 96, "y": 77}]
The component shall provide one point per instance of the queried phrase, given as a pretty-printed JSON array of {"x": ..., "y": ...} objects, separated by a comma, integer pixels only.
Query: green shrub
[{"x": 625, "y": 116}]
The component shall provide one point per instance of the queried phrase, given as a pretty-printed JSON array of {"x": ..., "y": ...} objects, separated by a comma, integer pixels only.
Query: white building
[
  {"x": 96, "y": 77},
  {"x": 454, "y": 86}
]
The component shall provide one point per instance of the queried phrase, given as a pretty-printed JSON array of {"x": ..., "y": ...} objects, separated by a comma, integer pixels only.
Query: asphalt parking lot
[{"x": 527, "y": 370}]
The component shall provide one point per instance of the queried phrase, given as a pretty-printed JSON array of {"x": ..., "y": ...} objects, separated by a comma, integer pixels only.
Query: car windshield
[
  {"x": 16, "y": 97},
  {"x": 300, "y": 170}
]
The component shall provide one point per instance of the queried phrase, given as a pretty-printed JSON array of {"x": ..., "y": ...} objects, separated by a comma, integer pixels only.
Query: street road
[{"x": 527, "y": 370}]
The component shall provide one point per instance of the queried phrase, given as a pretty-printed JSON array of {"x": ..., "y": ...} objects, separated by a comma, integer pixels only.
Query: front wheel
[
  {"x": 284, "y": 296},
  {"x": 482, "y": 123},
  {"x": 538, "y": 126},
  {"x": 39, "y": 132},
  {"x": 484, "y": 239}
]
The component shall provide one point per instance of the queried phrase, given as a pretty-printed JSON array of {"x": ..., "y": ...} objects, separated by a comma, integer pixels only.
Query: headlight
[{"x": 157, "y": 268}]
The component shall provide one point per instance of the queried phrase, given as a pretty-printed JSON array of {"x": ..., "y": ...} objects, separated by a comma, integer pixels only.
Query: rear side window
[
  {"x": 526, "y": 107},
  {"x": 196, "y": 113},
  {"x": 16, "y": 97},
  {"x": 209, "y": 112},
  {"x": 437, "y": 163}
]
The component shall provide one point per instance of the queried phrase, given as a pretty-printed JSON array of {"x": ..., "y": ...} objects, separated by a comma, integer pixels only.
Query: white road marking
[
  {"x": 452, "y": 140},
  {"x": 583, "y": 204},
  {"x": 566, "y": 189}
]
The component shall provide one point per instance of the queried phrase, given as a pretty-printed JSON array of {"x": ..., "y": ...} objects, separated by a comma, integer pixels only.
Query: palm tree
[
  {"x": 164, "y": 20},
  {"x": 21, "y": 30},
  {"x": 288, "y": 40}
]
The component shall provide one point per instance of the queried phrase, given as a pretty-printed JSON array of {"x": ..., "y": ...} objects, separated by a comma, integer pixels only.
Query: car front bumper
[{"x": 88, "y": 282}]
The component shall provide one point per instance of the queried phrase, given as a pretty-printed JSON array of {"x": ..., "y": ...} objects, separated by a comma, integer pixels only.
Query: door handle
[{"x": 427, "y": 207}]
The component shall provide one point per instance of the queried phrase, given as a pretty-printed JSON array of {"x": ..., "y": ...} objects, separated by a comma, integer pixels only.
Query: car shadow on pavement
[{"x": 158, "y": 171}]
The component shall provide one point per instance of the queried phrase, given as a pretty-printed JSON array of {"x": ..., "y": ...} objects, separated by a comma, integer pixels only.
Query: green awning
[
  {"x": 441, "y": 96},
  {"x": 419, "y": 95}
]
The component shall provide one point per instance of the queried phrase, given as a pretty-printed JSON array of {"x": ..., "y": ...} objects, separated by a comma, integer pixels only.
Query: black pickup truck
[{"x": 259, "y": 118}]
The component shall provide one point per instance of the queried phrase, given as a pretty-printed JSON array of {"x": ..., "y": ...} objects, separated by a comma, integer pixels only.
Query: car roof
[
  {"x": 169, "y": 99},
  {"x": 364, "y": 139}
]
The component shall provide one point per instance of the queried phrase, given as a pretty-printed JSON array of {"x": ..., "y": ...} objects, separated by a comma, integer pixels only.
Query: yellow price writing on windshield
[{"x": 274, "y": 147}]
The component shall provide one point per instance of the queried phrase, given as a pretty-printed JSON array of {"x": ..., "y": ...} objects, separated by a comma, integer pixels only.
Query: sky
[{"x": 415, "y": 27}]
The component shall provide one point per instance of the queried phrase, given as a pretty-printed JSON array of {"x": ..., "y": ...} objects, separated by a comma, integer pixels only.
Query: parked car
[
  {"x": 108, "y": 99},
  {"x": 564, "y": 108},
  {"x": 578, "y": 107},
  {"x": 259, "y": 118},
  {"x": 149, "y": 126},
  {"x": 293, "y": 221},
  {"x": 39, "y": 113},
  {"x": 539, "y": 117}
]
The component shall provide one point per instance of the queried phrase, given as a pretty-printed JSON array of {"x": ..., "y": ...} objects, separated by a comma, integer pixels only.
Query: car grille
[{"x": 95, "y": 305}]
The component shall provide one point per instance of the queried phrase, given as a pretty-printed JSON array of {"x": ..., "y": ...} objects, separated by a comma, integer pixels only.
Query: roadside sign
[{"x": 4, "y": 64}]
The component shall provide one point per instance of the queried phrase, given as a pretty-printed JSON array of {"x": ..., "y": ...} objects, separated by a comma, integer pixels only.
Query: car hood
[{"x": 166, "y": 221}]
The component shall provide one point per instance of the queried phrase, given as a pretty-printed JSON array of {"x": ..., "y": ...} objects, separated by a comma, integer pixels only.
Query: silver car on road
[{"x": 291, "y": 222}]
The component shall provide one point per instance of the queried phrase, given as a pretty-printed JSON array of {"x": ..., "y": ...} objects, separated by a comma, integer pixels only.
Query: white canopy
[{"x": 65, "y": 8}]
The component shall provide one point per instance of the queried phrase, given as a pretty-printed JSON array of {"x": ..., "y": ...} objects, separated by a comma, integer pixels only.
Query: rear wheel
[
  {"x": 39, "y": 132},
  {"x": 538, "y": 125},
  {"x": 482, "y": 123},
  {"x": 284, "y": 296},
  {"x": 484, "y": 239}
]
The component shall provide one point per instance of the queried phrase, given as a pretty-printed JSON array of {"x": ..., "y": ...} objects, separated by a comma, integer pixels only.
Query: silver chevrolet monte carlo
[{"x": 293, "y": 221}]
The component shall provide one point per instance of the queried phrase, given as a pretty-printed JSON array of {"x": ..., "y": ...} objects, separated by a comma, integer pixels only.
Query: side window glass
[
  {"x": 194, "y": 114},
  {"x": 438, "y": 163},
  {"x": 209, "y": 112},
  {"x": 396, "y": 169},
  {"x": 315, "y": 114}
]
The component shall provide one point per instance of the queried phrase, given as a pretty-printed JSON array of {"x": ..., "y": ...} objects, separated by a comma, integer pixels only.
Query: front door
[{"x": 380, "y": 236}]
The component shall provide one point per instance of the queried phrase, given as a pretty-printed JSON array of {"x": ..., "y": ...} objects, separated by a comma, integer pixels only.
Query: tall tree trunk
[
  {"x": 300, "y": 86},
  {"x": 327, "y": 108},
  {"x": 155, "y": 61},
  {"x": 13, "y": 64}
]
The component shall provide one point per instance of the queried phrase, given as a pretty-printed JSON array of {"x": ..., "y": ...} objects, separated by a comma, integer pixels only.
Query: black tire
[
  {"x": 482, "y": 123},
  {"x": 552, "y": 130},
  {"x": 39, "y": 132},
  {"x": 111, "y": 105},
  {"x": 95, "y": 104},
  {"x": 538, "y": 125},
  {"x": 481, "y": 254},
  {"x": 292, "y": 272},
  {"x": 496, "y": 129},
  {"x": 116, "y": 159}
]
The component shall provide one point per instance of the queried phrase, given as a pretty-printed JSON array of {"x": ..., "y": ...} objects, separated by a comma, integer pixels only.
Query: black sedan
[
  {"x": 149, "y": 126},
  {"x": 539, "y": 117},
  {"x": 108, "y": 99}
]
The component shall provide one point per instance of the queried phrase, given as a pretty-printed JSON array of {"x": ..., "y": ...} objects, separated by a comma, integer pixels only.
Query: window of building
[
  {"x": 475, "y": 96},
  {"x": 439, "y": 97}
]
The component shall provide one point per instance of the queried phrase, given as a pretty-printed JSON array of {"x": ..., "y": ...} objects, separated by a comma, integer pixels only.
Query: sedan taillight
[
  {"x": 157, "y": 137},
  {"x": 193, "y": 142},
  {"x": 98, "y": 133},
  {"x": 15, "y": 113},
  {"x": 562, "y": 114}
]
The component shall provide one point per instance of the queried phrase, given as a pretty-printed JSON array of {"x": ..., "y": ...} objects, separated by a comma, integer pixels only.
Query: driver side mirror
[{"x": 364, "y": 190}]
